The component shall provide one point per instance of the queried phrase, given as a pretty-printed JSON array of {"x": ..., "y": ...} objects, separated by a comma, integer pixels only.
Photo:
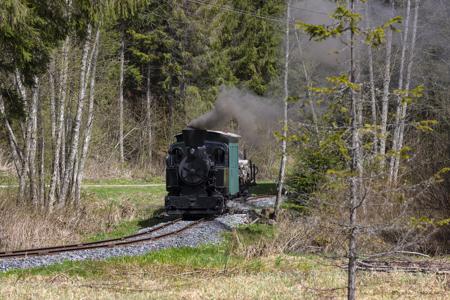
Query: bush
[{"x": 311, "y": 167}]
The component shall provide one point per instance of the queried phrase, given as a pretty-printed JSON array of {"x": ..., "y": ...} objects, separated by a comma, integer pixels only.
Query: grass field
[
  {"x": 207, "y": 272},
  {"x": 210, "y": 273}
]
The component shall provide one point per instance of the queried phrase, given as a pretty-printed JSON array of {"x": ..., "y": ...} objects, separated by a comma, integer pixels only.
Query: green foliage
[
  {"x": 345, "y": 20},
  {"x": 425, "y": 125},
  {"x": 343, "y": 80},
  {"x": 409, "y": 96},
  {"x": 29, "y": 30},
  {"x": 376, "y": 36},
  {"x": 439, "y": 176},
  {"x": 424, "y": 222},
  {"x": 313, "y": 164},
  {"x": 250, "y": 47}
]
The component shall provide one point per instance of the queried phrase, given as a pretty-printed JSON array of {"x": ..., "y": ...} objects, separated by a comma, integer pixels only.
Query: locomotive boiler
[{"x": 203, "y": 172}]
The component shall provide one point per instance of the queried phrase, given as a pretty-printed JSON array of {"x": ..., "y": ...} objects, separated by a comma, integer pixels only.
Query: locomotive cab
[{"x": 203, "y": 172}]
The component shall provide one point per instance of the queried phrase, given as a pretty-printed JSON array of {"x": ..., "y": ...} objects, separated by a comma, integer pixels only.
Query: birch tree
[
  {"x": 59, "y": 153},
  {"x": 386, "y": 93},
  {"x": 122, "y": 66},
  {"x": 90, "y": 119},
  {"x": 308, "y": 84},
  {"x": 404, "y": 104},
  {"x": 148, "y": 96},
  {"x": 373, "y": 98},
  {"x": 73, "y": 150},
  {"x": 281, "y": 175},
  {"x": 398, "y": 114},
  {"x": 32, "y": 142}
]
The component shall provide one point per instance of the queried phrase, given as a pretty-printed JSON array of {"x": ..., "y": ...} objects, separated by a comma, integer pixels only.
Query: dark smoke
[{"x": 255, "y": 115}]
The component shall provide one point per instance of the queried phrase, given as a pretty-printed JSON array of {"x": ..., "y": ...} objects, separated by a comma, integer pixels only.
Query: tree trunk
[
  {"x": 73, "y": 151},
  {"x": 373, "y": 99},
  {"x": 407, "y": 87},
  {"x": 385, "y": 98},
  {"x": 41, "y": 192},
  {"x": 58, "y": 153},
  {"x": 281, "y": 175},
  {"x": 356, "y": 166},
  {"x": 122, "y": 66},
  {"x": 75, "y": 172},
  {"x": 149, "y": 119},
  {"x": 26, "y": 134},
  {"x": 90, "y": 120},
  {"x": 33, "y": 142},
  {"x": 51, "y": 79},
  {"x": 15, "y": 150},
  {"x": 308, "y": 86},
  {"x": 395, "y": 140}
]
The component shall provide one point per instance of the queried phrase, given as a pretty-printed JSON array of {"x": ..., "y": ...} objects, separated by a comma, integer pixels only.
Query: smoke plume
[{"x": 255, "y": 115}]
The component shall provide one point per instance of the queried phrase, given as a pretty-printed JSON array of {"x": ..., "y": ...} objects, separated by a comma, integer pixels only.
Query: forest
[{"x": 343, "y": 105}]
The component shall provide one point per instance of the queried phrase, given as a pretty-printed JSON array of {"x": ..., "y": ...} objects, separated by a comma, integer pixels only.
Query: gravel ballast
[{"x": 208, "y": 232}]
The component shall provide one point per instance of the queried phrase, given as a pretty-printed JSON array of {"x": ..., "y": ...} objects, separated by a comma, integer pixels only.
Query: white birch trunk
[
  {"x": 90, "y": 120},
  {"x": 51, "y": 79},
  {"x": 75, "y": 172},
  {"x": 122, "y": 66},
  {"x": 33, "y": 142},
  {"x": 149, "y": 118},
  {"x": 26, "y": 130},
  {"x": 15, "y": 150},
  {"x": 281, "y": 176},
  {"x": 407, "y": 87},
  {"x": 73, "y": 151},
  {"x": 395, "y": 140},
  {"x": 58, "y": 154},
  {"x": 373, "y": 99},
  {"x": 357, "y": 166},
  {"x": 41, "y": 192},
  {"x": 385, "y": 98},
  {"x": 308, "y": 85}
]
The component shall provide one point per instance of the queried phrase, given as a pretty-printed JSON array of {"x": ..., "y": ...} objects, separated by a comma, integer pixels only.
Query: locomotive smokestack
[{"x": 194, "y": 137}]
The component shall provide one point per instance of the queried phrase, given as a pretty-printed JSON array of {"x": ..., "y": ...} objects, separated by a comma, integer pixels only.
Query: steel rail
[
  {"x": 127, "y": 240},
  {"x": 259, "y": 197}
]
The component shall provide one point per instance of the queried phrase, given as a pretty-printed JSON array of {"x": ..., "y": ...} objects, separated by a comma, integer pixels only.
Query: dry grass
[
  {"x": 22, "y": 226},
  {"x": 281, "y": 277},
  {"x": 308, "y": 234},
  {"x": 6, "y": 166}
]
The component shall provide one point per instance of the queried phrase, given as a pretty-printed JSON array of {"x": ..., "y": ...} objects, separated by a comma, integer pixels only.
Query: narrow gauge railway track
[
  {"x": 259, "y": 197},
  {"x": 109, "y": 243}
]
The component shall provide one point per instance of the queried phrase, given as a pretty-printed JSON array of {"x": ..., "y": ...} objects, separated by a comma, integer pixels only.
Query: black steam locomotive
[{"x": 203, "y": 171}]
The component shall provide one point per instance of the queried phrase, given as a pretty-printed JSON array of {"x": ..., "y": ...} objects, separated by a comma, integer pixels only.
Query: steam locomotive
[{"x": 203, "y": 172}]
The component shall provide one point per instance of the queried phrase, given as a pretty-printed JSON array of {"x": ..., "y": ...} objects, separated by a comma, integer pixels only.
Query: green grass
[
  {"x": 251, "y": 234},
  {"x": 135, "y": 194},
  {"x": 264, "y": 188},
  {"x": 123, "y": 229},
  {"x": 126, "y": 181},
  {"x": 130, "y": 227},
  {"x": 6, "y": 179},
  {"x": 208, "y": 256},
  {"x": 292, "y": 206},
  {"x": 146, "y": 201}
]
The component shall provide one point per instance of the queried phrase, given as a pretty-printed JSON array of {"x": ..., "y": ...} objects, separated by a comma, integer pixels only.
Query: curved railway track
[
  {"x": 109, "y": 243},
  {"x": 141, "y": 237}
]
